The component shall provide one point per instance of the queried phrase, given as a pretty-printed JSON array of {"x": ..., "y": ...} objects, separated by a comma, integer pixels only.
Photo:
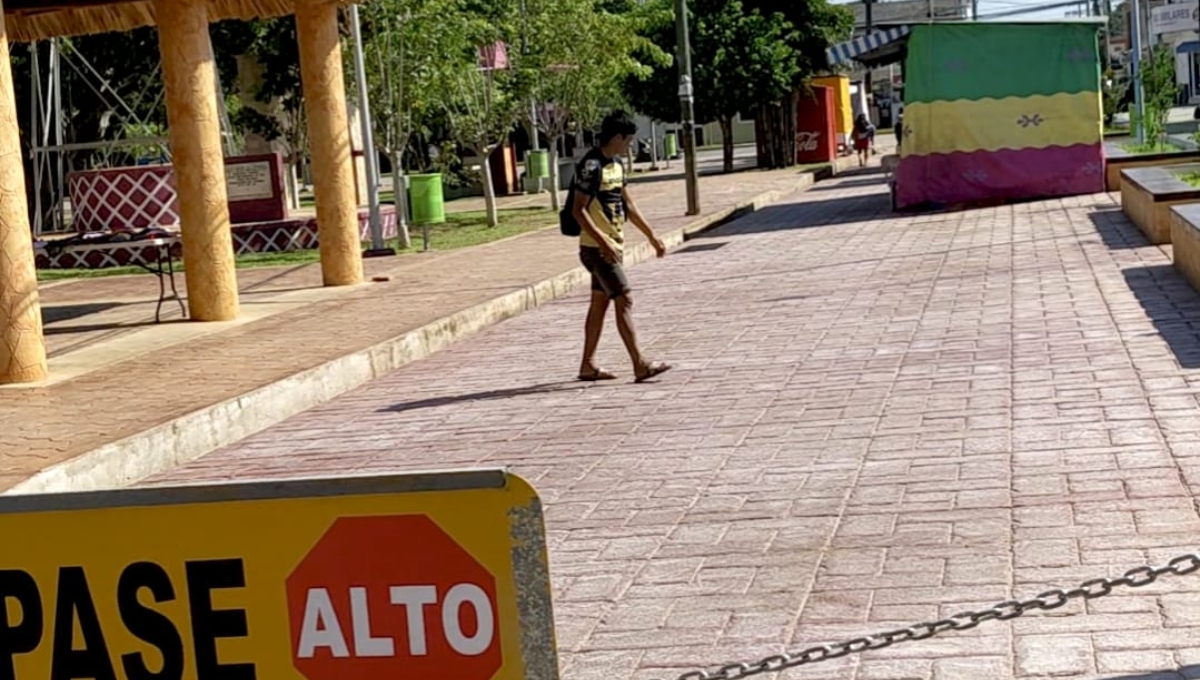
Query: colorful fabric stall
[{"x": 1000, "y": 112}]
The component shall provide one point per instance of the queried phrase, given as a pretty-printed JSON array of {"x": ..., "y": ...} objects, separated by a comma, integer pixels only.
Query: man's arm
[
  {"x": 639, "y": 221},
  {"x": 580, "y": 211},
  {"x": 587, "y": 186}
]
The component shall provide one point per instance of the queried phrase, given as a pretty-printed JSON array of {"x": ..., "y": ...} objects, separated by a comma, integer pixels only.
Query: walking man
[{"x": 602, "y": 202}]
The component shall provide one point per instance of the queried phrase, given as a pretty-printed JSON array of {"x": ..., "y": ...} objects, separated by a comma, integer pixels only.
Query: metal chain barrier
[{"x": 1011, "y": 609}]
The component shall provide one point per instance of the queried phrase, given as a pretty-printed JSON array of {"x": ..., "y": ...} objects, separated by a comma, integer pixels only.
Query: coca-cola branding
[{"x": 807, "y": 141}]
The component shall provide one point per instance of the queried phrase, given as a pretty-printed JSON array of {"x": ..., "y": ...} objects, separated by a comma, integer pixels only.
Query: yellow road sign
[{"x": 430, "y": 575}]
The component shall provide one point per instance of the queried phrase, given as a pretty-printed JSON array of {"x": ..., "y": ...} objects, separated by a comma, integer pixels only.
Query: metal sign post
[
  {"x": 378, "y": 247},
  {"x": 687, "y": 106},
  {"x": 1137, "y": 117}
]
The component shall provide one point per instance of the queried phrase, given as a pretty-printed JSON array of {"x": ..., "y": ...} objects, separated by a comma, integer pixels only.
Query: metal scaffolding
[{"x": 51, "y": 159}]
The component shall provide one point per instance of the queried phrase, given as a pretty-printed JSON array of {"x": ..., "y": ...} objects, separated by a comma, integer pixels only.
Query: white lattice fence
[{"x": 123, "y": 198}]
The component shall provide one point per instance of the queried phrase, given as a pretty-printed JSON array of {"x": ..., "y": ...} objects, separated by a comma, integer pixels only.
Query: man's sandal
[
  {"x": 598, "y": 375},
  {"x": 653, "y": 369}
]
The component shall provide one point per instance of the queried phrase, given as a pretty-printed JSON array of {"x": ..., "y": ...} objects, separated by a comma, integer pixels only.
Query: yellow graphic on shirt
[{"x": 607, "y": 208}]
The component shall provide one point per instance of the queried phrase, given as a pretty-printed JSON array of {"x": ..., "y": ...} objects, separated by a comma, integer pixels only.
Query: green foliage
[
  {"x": 573, "y": 57},
  {"x": 816, "y": 24},
  {"x": 1113, "y": 91},
  {"x": 272, "y": 44},
  {"x": 740, "y": 57},
  {"x": 480, "y": 106},
  {"x": 748, "y": 57},
  {"x": 1158, "y": 91},
  {"x": 412, "y": 48}
]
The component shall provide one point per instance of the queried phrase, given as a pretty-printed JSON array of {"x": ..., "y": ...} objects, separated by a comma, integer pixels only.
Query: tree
[
  {"x": 480, "y": 105},
  {"x": 817, "y": 24},
  {"x": 1159, "y": 91},
  {"x": 410, "y": 48},
  {"x": 574, "y": 58},
  {"x": 740, "y": 58},
  {"x": 275, "y": 110}
]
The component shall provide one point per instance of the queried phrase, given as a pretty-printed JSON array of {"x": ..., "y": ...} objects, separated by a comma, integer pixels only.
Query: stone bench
[
  {"x": 1185, "y": 238},
  {"x": 1117, "y": 159},
  {"x": 1147, "y": 195}
]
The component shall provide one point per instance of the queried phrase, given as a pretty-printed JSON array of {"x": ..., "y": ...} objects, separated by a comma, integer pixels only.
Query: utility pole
[
  {"x": 867, "y": 5},
  {"x": 1135, "y": 70},
  {"x": 378, "y": 246},
  {"x": 687, "y": 106}
]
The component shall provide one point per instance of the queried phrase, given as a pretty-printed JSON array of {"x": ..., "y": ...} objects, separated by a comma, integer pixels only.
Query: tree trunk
[
  {"x": 727, "y": 142},
  {"x": 555, "y": 199},
  {"x": 776, "y": 133},
  {"x": 489, "y": 191},
  {"x": 790, "y": 108},
  {"x": 400, "y": 199},
  {"x": 293, "y": 186}
]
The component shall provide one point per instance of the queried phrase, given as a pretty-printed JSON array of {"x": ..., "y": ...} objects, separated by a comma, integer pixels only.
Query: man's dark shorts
[{"x": 607, "y": 278}]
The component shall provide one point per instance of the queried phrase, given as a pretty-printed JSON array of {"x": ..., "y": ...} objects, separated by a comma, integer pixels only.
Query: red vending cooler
[{"x": 816, "y": 140}]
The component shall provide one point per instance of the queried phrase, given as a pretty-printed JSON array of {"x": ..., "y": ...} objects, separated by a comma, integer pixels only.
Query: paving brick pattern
[
  {"x": 45, "y": 426},
  {"x": 874, "y": 420}
]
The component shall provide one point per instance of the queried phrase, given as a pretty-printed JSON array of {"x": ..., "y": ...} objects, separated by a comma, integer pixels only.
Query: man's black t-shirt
[{"x": 603, "y": 179}]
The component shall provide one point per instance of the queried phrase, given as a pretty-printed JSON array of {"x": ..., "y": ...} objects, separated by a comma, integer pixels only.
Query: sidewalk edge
[{"x": 210, "y": 428}]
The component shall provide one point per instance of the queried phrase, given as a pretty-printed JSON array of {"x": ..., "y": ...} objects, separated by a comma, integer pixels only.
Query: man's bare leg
[
  {"x": 592, "y": 330},
  {"x": 629, "y": 333}
]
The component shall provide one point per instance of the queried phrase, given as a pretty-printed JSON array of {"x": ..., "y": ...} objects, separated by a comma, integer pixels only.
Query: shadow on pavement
[
  {"x": 1182, "y": 673},
  {"x": 804, "y": 214},
  {"x": 704, "y": 170},
  {"x": 865, "y": 182},
  {"x": 1116, "y": 230},
  {"x": 1173, "y": 307},
  {"x": 434, "y": 402},
  {"x": 59, "y": 313}
]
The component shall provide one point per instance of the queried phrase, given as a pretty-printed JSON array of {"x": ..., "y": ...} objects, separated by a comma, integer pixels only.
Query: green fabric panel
[{"x": 974, "y": 61}]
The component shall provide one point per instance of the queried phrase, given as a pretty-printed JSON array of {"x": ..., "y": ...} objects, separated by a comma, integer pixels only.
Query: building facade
[{"x": 1177, "y": 25}]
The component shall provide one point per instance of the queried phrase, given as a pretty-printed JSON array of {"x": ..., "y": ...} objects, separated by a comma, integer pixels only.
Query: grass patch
[
  {"x": 461, "y": 230},
  {"x": 1150, "y": 147},
  {"x": 1192, "y": 178}
]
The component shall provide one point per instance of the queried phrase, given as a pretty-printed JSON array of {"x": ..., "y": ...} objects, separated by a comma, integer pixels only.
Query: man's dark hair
[{"x": 617, "y": 123}]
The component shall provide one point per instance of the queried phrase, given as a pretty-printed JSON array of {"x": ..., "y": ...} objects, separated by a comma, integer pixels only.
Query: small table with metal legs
[{"x": 163, "y": 265}]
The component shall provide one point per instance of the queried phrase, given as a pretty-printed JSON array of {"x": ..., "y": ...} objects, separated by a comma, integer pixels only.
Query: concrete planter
[
  {"x": 1185, "y": 237},
  {"x": 1147, "y": 195},
  {"x": 1118, "y": 159}
]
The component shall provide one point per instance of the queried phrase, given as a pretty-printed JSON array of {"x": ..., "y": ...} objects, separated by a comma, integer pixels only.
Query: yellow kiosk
[{"x": 843, "y": 114}]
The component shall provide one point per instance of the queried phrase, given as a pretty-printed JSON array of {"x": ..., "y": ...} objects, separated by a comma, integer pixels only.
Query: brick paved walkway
[
  {"x": 874, "y": 420},
  {"x": 290, "y": 325}
]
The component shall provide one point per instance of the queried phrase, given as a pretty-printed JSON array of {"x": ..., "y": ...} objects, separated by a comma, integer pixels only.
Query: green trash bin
[
  {"x": 670, "y": 144},
  {"x": 537, "y": 164},
  {"x": 425, "y": 193}
]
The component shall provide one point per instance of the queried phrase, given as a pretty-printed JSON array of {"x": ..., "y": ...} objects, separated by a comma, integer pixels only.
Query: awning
[
  {"x": 1186, "y": 47},
  {"x": 870, "y": 49}
]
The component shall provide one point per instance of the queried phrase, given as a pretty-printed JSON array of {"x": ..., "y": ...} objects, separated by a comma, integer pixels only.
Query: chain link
[{"x": 1011, "y": 609}]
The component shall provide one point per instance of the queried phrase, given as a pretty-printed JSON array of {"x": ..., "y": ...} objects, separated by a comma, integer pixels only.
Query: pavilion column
[
  {"x": 22, "y": 346},
  {"x": 329, "y": 141},
  {"x": 194, "y": 129}
]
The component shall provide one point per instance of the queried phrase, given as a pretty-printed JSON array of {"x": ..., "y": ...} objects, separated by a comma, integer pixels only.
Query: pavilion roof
[{"x": 28, "y": 20}]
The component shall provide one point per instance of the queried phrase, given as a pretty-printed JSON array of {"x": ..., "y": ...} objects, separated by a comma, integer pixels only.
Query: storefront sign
[{"x": 1184, "y": 16}]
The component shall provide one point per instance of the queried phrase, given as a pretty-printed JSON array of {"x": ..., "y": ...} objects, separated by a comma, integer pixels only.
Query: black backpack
[{"x": 567, "y": 224}]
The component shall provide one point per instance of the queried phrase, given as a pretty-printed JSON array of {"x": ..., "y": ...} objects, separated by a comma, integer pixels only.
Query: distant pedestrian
[
  {"x": 864, "y": 137},
  {"x": 899, "y": 131},
  {"x": 602, "y": 202}
]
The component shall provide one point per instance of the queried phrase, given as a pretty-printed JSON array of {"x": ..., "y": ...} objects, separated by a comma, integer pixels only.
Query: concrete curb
[{"x": 187, "y": 438}]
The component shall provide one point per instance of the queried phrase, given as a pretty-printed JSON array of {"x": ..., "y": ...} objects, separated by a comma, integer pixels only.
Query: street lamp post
[
  {"x": 687, "y": 106},
  {"x": 1135, "y": 72},
  {"x": 378, "y": 245}
]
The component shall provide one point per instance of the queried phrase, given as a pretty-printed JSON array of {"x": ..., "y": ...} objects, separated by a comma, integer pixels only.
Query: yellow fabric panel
[
  {"x": 842, "y": 113},
  {"x": 1011, "y": 123}
]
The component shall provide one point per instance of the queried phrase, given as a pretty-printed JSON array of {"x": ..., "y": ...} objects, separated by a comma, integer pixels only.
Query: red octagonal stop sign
[{"x": 392, "y": 597}]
